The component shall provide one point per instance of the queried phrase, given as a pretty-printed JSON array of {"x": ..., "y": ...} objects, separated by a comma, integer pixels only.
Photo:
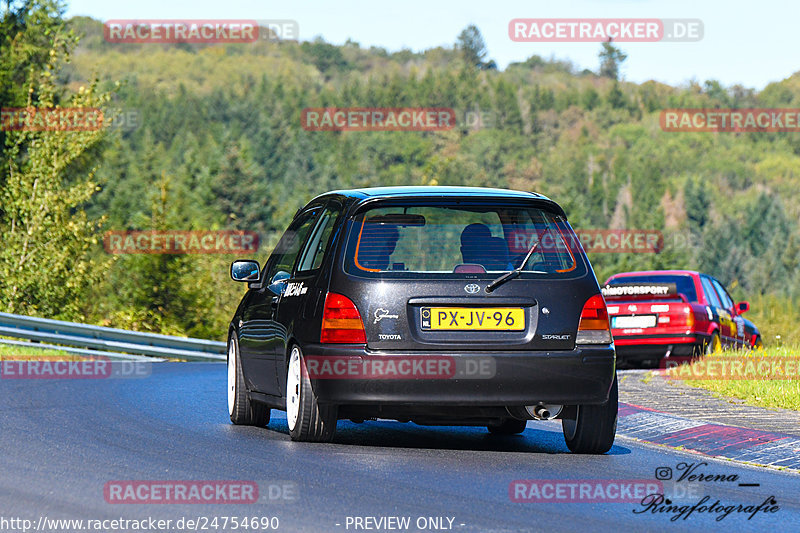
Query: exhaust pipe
[
  {"x": 540, "y": 411},
  {"x": 544, "y": 411}
]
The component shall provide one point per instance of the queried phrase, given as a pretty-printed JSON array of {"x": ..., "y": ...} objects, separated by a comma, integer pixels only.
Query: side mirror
[
  {"x": 742, "y": 307},
  {"x": 278, "y": 282},
  {"x": 245, "y": 270}
]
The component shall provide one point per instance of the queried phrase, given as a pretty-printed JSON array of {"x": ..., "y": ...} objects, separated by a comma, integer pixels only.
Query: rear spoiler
[{"x": 642, "y": 291}]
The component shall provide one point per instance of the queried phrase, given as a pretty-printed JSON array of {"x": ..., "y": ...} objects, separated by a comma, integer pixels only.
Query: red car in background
[{"x": 673, "y": 313}]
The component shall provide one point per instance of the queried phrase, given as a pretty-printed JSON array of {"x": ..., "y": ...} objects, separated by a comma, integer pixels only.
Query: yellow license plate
[{"x": 473, "y": 318}]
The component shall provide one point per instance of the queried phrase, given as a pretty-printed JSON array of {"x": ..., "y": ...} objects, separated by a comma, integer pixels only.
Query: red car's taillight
[
  {"x": 594, "y": 327},
  {"x": 689, "y": 314},
  {"x": 675, "y": 315},
  {"x": 341, "y": 322}
]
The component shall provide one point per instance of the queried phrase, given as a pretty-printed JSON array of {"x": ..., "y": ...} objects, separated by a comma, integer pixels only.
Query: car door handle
[{"x": 274, "y": 302}]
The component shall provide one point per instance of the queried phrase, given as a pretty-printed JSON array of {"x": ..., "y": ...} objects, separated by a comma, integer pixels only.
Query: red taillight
[
  {"x": 687, "y": 309},
  {"x": 676, "y": 315},
  {"x": 593, "y": 327},
  {"x": 341, "y": 322}
]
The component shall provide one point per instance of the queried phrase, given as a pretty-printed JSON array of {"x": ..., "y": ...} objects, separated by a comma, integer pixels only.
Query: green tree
[
  {"x": 717, "y": 92},
  {"x": 611, "y": 58},
  {"x": 28, "y": 32},
  {"x": 698, "y": 203},
  {"x": 615, "y": 97},
  {"x": 509, "y": 115},
  {"x": 590, "y": 98},
  {"x": 473, "y": 47},
  {"x": 165, "y": 293},
  {"x": 46, "y": 263},
  {"x": 325, "y": 56}
]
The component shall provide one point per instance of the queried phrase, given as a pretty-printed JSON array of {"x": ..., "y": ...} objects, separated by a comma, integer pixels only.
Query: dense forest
[{"x": 209, "y": 137}]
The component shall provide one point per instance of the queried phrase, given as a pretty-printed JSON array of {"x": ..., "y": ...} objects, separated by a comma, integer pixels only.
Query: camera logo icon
[{"x": 663, "y": 473}]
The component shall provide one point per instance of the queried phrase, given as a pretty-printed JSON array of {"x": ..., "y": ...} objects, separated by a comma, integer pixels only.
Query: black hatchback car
[{"x": 437, "y": 305}]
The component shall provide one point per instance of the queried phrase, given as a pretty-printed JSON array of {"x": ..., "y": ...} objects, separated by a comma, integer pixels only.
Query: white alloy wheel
[
  {"x": 231, "y": 377},
  {"x": 293, "y": 388},
  {"x": 241, "y": 410}
]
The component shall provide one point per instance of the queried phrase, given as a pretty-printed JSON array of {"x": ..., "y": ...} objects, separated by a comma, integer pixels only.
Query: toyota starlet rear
[
  {"x": 437, "y": 305},
  {"x": 477, "y": 309}
]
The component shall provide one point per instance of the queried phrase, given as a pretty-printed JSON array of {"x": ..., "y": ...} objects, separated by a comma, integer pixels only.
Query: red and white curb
[{"x": 715, "y": 440}]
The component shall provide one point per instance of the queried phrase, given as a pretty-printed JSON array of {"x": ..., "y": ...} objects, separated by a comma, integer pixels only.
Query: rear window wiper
[{"x": 517, "y": 271}]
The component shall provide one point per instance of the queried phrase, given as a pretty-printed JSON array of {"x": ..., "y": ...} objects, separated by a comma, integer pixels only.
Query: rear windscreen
[
  {"x": 403, "y": 241},
  {"x": 683, "y": 284}
]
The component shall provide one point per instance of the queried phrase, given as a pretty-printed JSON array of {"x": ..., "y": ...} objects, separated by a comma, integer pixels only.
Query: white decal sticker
[
  {"x": 295, "y": 289},
  {"x": 380, "y": 314}
]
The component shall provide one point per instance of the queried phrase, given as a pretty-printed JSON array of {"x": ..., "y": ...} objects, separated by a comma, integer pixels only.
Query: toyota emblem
[{"x": 472, "y": 288}]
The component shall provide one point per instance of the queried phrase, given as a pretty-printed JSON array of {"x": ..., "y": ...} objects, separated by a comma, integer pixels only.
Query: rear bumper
[
  {"x": 580, "y": 376},
  {"x": 646, "y": 347},
  {"x": 658, "y": 338}
]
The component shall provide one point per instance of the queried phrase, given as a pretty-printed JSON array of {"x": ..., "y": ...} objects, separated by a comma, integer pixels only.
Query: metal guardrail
[
  {"x": 114, "y": 356},
  {"x": 91, "y": 339}
]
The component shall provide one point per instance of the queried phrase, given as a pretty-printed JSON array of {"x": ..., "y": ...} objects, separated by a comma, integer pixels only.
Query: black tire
[
  {"x": 594, "y": 427},
  {"x": 313, "y": 422},
  {"x": 509, "y": 426},
  {"x": 714, "y": 345},
  {"x": 758, "y": 344},
  {"x": 241, "y": 410},
  {"x": 706, "y": 347}
]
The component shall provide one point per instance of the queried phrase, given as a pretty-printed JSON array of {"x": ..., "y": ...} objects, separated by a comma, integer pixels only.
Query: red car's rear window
[{"x": 684, "y": 284}]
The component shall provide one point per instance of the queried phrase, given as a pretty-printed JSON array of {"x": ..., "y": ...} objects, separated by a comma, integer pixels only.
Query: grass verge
[
  {"x": 10, "y": 353},
  {"x": 723, "y": 373}
]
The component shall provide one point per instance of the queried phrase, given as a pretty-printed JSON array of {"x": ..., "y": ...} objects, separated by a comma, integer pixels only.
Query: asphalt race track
[{"x": 63, "y": 440}]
